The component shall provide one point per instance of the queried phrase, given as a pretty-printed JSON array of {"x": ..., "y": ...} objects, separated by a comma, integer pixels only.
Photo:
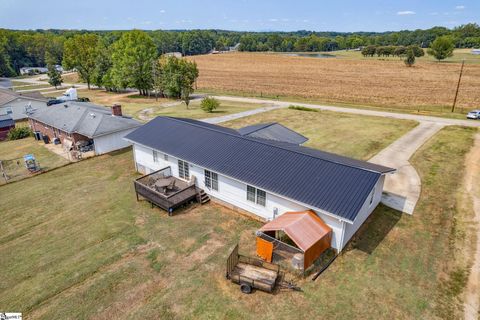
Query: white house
[
  {"x": 19, "y": 105},
  {"x": 265, "y": 177}
]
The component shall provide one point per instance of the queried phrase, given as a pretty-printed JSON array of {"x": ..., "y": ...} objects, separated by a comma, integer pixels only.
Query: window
[
  {"x": 183, "y": 170},
  {"x": 372, "y": 196},
  {"x": 165, "y": 157},
  {"x": 155, "y": 156},
  {"x": 9, "y": 110},
  {"x": 256, "y": 195},
  {"x": 211, "y": 180}
]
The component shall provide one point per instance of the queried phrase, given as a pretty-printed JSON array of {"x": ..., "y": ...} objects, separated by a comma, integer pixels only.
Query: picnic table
[{"x": 162, "y": 184}]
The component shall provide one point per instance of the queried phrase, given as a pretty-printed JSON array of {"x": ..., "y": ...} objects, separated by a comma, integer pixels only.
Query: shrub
[
  {"x": 410, "y": 58},
  {"x": 19, "y": 133},
  {"x": 302, "y": 108},
  {"x": 209, "y": 104}
]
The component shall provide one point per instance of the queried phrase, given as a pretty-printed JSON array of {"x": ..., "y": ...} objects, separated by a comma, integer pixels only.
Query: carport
[{"x": 309, "y": 234}]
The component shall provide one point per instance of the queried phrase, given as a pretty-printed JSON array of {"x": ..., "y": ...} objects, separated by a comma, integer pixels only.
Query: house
[
  {"x": 81, "y": 123},
  {"x": 18, "y": 105},
  {"x": 174, "y": 54},
  {"x": 475, "y": 51},
  {"x": 38, "y": 70},
  {"x": 6, "y": 124},
  {"x": 263, "y": 177}
]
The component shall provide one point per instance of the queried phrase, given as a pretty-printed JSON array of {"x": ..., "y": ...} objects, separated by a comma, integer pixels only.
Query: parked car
[
  {"x": 54, "y": 101},
  {"x": 474, "y": 114}
]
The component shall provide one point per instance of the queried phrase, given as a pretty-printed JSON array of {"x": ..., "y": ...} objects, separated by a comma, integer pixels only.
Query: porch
[{"x": 162, "y": 189}]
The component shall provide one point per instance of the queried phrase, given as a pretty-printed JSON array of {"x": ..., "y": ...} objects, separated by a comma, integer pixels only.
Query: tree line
[{"x": 38, "y": 47}]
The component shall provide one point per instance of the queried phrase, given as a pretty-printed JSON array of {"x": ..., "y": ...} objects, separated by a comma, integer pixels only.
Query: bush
[
  {"x": 302, "y": 108},
  {"x": 19, "y": 133},
  {"x": 209, "y": 104}
]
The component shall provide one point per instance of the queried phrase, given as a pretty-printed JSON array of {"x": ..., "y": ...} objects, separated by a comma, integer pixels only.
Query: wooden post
[
  {"x": 3, "y": 172},
  {"x": 458, "y": 86}
]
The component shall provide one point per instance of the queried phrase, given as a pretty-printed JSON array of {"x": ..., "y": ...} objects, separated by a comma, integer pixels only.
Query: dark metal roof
[
  {"x": 332, "y": 183},
  {"x": 6, "y": 121},
  {"x": 273, "y": 131}
]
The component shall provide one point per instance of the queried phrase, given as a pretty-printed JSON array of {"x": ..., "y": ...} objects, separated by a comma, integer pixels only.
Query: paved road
[
  {"x": 5, "y": 83},
  {"x": 385, "y": 114}
]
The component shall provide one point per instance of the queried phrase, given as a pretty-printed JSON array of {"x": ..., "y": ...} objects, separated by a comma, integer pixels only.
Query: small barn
[{"x": 304, "y": 230}]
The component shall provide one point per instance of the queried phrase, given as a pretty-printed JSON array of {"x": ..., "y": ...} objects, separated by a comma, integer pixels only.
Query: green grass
[
  {"x": 355, "y": 136},
  {"x": 75, "y": 245},
  {"x": 13, "y": 151},
  {"x": 133, "y": 105},
  {"x": 194, "y": 110}
]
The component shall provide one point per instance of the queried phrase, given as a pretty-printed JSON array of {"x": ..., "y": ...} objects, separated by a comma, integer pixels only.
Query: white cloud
[
  {"x": 273, "y": 20},
  {"x": 405, "y": 13},
  {"x": 434, "y": 13},
  {"x": 162, "y": 11},
  {"x": 460, "y": 7}
]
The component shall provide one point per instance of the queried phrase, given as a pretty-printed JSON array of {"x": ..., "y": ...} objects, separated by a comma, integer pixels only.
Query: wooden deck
[{"x": 166, "y": 198}]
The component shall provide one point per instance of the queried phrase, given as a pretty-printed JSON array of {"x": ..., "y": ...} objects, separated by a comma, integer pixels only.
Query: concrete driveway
[{"x": 402, "y": 189}]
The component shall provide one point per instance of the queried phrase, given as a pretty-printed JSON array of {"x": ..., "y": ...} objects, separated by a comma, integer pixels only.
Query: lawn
[
  {"x": 354, "y": 136},
  {"x": 144, "y": 108},
  {"x": 365, "y": 82},
  {"x": 87, "y": 249},
  {"x": 13, "y": 151}
]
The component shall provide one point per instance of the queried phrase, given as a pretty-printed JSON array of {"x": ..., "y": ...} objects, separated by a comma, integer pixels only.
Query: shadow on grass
[{"x": 375, "y": 229}]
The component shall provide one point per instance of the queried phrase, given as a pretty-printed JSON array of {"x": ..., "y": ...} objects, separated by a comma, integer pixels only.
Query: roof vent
[
  {"x": 65, "y": 105},
  {"x": 92, "y": 115}
]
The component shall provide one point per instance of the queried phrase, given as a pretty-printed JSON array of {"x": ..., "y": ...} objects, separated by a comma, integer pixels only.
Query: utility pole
[{"x": 458, "y": 86}]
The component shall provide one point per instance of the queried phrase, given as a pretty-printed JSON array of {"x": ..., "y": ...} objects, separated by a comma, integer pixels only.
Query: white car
[{"x": 474, "y": 114}]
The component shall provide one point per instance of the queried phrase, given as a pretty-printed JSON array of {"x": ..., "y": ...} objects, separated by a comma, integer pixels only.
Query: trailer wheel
[{"x": 245, "y": 288}]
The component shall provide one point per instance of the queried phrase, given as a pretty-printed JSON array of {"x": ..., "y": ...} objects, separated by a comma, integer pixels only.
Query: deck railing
[{"x": 167, "y": 201}]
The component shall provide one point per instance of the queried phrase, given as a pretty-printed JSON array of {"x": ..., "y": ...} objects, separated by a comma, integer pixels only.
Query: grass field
[
  {"x": 13, "y": 151},
  {"x": 88, "y": 249},
  {"x": 426, "y": 87},
  {"x": 355, "y": 136},
  {"x": 133, "y": 105}
]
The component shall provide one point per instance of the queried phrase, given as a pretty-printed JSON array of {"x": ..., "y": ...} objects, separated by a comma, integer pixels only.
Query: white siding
[
  {"x": 235, "y": 192},
  {"x": 365, "y": 211},
  {"x": 111, "y": 142}
]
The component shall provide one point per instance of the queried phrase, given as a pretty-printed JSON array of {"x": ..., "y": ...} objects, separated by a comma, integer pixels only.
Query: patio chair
[{"x": 171, "y": 186}]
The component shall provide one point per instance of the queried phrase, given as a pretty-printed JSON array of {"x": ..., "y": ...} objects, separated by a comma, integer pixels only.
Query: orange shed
[{"x": 306, "y": 229}]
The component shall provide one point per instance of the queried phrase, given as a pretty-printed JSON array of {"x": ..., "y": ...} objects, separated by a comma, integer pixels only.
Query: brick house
[{"x": 74, "y": 123}]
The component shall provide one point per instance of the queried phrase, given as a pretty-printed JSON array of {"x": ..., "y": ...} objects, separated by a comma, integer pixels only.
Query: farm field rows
[
  {"x": 86, "y": 248},
  {"x": 428, "y": 86}
]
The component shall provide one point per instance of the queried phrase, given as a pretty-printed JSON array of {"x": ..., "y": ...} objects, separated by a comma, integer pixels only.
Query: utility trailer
[{"x": 251, "y": 273}]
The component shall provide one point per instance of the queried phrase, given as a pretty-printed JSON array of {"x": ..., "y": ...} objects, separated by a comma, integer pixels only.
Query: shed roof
[
  {"x": 273, "y": 131},
  {"x": 7, "y": 96},
  {"x": 304, "y": 228},
  {"x": 83, "y": 118},
  {"x": 332, "y": 183}
]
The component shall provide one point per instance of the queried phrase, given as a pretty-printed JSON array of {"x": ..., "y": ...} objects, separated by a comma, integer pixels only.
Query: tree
[
  {"x": 174, "y": 77},
  {"x": 369, "y": 51},
  {"x": 132, "y": 61},
  {"x": 442, "y": 48},
  {"x": 103, "y": 64},
  {"x": 80, "y": 53},
  {"x": 417, "y": 51},
  {"x": 54, "y": 76},
  {"x": 209, "y": 104},
  {"x": 410, "y": 58}
]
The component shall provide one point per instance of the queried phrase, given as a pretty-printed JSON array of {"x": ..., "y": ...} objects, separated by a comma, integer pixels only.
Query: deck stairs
[{"x": 202, "y": 197}]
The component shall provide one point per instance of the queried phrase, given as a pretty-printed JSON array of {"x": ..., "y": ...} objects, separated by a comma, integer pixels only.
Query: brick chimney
[{"x": 117, "y": 110}]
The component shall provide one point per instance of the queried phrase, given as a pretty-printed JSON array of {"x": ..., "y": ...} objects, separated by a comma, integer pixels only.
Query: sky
[{"x": 239, "y": 15}]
